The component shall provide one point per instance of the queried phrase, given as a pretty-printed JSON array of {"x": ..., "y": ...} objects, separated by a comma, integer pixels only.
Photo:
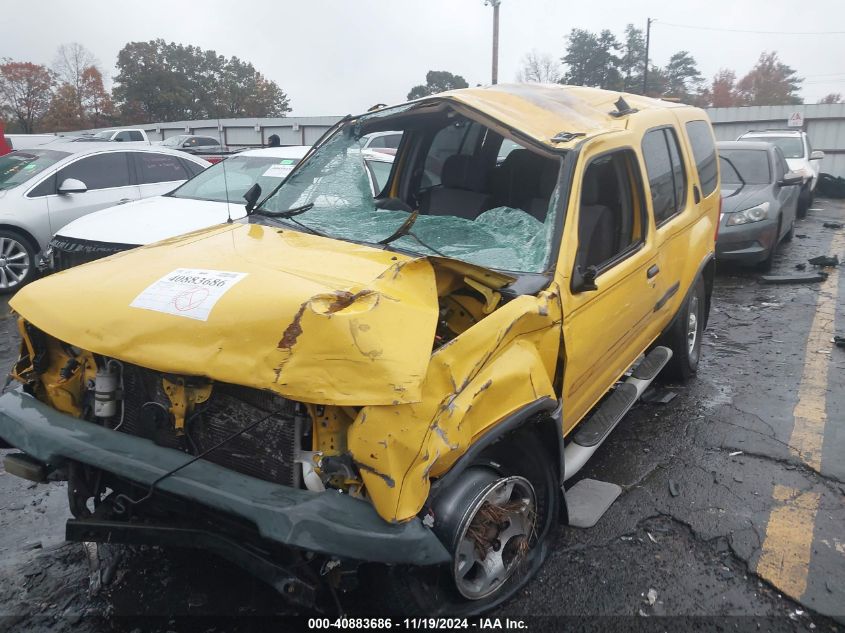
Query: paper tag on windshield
[
  {"x": 277, "y": 171},
  {"x": 187, "y": 292}
]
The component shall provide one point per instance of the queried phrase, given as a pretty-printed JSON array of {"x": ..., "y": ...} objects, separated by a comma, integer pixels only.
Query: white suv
[{"x": 800, "y": 157}]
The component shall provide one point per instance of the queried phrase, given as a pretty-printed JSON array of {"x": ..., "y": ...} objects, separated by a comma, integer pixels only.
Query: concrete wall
[
  {"x": 824, "y": 124},
  {"x": 250, "y": 132}
]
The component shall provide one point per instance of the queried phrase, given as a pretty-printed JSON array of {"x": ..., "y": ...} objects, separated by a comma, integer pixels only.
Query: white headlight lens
[{"x": 754, "y": 214}]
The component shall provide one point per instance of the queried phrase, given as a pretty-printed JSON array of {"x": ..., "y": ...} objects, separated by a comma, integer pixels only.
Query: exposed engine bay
[{"x": 254, "y": 432}]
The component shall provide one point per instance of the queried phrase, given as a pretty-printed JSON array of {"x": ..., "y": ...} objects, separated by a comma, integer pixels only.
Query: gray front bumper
[{"x": 324, "y": 522}]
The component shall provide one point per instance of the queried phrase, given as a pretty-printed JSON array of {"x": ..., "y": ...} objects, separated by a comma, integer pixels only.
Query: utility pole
[
  {"x": 495, "y": 4},
  {"x": 647, "y": 42}
]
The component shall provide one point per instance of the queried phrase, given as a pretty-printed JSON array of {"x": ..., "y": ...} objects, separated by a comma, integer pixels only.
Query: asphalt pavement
[{"x": 732, "y": 515}]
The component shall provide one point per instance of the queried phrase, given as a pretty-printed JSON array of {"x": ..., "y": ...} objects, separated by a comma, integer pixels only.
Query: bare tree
[
  {"x": 70, "y": 64},
  {"x": 539, "y": 68}
]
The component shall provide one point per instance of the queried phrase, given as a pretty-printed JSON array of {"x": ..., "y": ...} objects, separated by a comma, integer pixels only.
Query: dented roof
[{"x": 543, "y": 111}]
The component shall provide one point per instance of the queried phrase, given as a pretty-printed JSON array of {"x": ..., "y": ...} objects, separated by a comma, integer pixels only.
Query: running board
[{"x": 595, "y": 430}]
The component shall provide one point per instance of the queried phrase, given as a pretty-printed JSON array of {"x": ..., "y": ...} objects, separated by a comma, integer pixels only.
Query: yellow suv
[{"x": 397, "y": 383}]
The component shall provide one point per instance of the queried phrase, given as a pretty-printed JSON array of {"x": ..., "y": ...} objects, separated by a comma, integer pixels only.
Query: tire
[
  {"x": 766, "y": 264},
  {"x": 805, "y": 201},
  {"x": 790, "y": 233},
  {"x": 17, "y": 261},
  {"x": 520, "y": 458},
  {"x": 686, "y": 350}
]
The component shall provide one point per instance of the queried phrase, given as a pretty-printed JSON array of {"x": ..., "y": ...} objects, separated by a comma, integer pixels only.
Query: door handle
[
  {"x": 124, "y": 200},
  {"x": 652, "y": 271},
  {"x": 696, "y": 194}
]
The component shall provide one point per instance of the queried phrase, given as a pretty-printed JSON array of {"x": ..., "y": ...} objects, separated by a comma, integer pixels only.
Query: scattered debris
[
  {"x": 643, "y": 613},
  {"x": 801, "y": 266},
  {"x": 738, "y": 478},
  {"x": 839, "y": 341},
  {"x": 652, "y": 597},
  {"x": 824, "y": 260},
  {"x": 833, "y": 225},
  {"x": 653, "y": 395},
  {"x": 673, "y": 488},
  {"x": 735, "y": 453},
  {"x": 797, "y": 278},
  {"x": 651, "y": 538},
  {"x": 801, "y": 236}
]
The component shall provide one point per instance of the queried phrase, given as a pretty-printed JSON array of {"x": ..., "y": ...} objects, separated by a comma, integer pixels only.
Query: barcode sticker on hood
[{"x": 187, "y": 292}]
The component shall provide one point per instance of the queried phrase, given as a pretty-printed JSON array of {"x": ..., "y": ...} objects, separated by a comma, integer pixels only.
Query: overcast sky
[{"x": 342, "y": 56}]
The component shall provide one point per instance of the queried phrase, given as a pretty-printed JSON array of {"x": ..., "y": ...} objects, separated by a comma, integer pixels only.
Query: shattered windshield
[{"x": 479, "y": 226}]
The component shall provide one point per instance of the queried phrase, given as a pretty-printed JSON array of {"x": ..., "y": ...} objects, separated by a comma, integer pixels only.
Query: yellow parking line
[
  {"x": 785, "y": 556},
  {"x": 785, "y": 559},
  {"x": 809, "y": 413}
]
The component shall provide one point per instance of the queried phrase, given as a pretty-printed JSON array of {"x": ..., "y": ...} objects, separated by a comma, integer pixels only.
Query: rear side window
[
  {"x": 666, "y": 175},
  {"x": 193, "y": 168},
  {"x": 154, "y": 168},
  {"x": 704, "y": 152},
  {"x": 135, "y": 135},
  {"x": 101, "y": 171}
]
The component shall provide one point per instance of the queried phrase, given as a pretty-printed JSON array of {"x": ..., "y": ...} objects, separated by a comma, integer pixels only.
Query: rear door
[
  {"x": 671, "y": 204},
  {"x": 107, "y": 177},
  {"x": 158, "y": 174}
]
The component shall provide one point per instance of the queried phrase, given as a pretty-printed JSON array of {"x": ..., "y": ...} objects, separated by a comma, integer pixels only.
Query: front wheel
[
  {"x": 684, "y": 335},
  {"x": 496, "y": 520},
  {"x": 17, "y": 262}
]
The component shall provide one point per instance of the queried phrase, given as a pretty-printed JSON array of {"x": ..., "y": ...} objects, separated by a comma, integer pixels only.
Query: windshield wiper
[{"x": 405, "y": 229}]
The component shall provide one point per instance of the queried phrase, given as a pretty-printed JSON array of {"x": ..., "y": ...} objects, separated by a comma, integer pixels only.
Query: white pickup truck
[{"x": 124, "y": 135}]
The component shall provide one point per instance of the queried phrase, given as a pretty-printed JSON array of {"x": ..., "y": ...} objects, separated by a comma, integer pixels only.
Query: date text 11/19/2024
[{"x": 414, "y": 624}]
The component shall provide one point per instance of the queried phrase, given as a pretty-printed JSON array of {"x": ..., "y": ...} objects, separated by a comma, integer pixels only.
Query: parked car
[
  {"x": 123, "y": 136},
  {"x": 404, "y": 380},
  {"x": 43, "y": 189},
  {"x": 795, "y": 145},
  {"x": 192, "y": 144},
  {"x": 759, "y": 202},
  {"x": 211, "y": 197},
  {"x": 384, "y": 142}
]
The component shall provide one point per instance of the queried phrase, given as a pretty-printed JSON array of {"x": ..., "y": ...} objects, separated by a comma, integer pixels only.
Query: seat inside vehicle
[
  {"x": 609, "y": 212},
  {"x": 457, "y": 195},
  {"x": 462, "y": 168}
]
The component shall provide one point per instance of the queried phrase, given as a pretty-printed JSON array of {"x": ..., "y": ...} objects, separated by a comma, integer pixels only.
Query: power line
[{"x": 712, "y": 28}]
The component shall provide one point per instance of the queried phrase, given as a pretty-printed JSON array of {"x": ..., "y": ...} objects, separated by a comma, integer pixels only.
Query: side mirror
[
  {"x": 791, "y": 178},
  {"x": 584, "y": 280},
  {"x": 817, "y": 155},
  {"x": 72, "y": 185},
  {"x": 251, "y": 196}
]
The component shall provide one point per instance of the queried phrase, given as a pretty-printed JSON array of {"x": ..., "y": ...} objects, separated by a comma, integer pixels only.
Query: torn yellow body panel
[
  {"x": 361, "y": 335},
  {"x": 491, "y": 370}
]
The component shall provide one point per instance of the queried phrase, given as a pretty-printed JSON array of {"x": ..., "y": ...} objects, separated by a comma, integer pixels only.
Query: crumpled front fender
[{"x": 499, "y": 365}]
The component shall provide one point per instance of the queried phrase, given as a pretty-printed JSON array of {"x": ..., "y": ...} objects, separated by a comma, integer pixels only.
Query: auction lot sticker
[{"x": 187, "y": 292}]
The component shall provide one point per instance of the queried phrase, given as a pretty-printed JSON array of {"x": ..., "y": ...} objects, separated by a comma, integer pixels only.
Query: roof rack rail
[{"x": 777, "y": 129}]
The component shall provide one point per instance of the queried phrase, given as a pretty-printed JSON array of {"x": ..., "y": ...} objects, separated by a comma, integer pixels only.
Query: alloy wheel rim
[
  {"x": 495, "y": 537},
  {"x": 14, "y": 262},
  {"x": 692, "y": 325}
]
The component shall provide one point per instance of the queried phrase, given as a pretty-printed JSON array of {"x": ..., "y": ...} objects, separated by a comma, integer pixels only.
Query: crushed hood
[{"x": 311, "y": 318}]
